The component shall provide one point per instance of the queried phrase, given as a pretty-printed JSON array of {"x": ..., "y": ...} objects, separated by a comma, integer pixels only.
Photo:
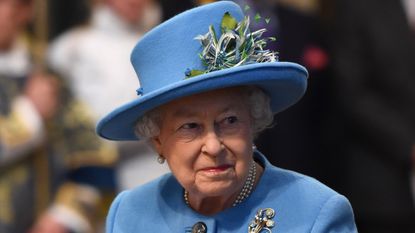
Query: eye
[
  {"x": 189, "y": 126},
  {"x": 231, "y": 119},
  {"x": 228, "y": 121},
  {"x": 229, "y": 124},
  {"x": 188, "y": 131}
]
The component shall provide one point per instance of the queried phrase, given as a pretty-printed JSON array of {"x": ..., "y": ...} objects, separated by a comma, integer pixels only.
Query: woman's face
[{"x": 207, "y": 142}]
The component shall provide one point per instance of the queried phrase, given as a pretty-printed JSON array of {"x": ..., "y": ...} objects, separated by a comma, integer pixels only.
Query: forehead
[{"x": 208, "y": 102}]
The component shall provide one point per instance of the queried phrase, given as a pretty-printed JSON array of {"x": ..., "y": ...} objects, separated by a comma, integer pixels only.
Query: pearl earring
[
  {"x": 253, "y": 147},
  {"x": 160, "y": 159}
]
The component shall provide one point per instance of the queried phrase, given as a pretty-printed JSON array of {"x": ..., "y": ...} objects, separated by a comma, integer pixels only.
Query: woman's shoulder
[
  {"x": 147, "y": 191},
  {"x": 277, "y": 178},
  {"x": 294, "y": 180},
  {"x": 305, "y": 199},
  {"x": 137, "y": 205},
  {"x": 143, "y": 197}
]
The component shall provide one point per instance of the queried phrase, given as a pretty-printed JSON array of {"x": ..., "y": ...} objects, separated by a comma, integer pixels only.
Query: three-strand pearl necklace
[{"x": 245, "y": 191}]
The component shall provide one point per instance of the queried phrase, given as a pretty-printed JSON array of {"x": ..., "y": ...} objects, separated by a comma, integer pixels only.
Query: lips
[{"x": 220, "y": 168}]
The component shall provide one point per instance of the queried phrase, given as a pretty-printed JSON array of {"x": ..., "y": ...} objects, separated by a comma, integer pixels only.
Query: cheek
[
  {"x": 181, "y": 159},
  {"x": 241, "y": 148},
  {"x": 241, "y": 143},
  {"x": 183, "y": 171}
]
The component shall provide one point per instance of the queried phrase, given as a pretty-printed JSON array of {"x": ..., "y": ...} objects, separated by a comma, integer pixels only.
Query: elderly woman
[{"x": 207, "y": 88}]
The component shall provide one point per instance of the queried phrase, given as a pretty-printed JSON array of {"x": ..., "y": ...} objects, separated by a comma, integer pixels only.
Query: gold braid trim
[
  {"x": 15, "y": 176},
  {"x": 13, "y": 131}
]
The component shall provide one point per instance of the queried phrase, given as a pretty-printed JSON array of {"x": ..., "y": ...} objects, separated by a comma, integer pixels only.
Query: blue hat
[{"x": 166, "y": 57}]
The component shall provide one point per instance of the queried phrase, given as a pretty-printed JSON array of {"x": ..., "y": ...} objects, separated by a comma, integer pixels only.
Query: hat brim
[{"x": 284, "y": 82}]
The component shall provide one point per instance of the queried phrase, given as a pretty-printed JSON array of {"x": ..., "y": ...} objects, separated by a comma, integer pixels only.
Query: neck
[{"x": 214, "y": 205}]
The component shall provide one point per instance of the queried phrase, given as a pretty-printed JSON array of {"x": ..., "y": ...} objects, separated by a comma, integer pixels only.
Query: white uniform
[{"x": 96, "y": 61}]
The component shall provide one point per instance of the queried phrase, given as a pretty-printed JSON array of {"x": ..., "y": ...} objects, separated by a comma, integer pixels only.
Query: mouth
[{"x": 217, "y": 169}]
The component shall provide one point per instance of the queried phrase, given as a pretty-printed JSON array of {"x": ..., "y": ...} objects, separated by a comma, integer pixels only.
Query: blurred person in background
[
  {"x": 52, "y": 167},
  {"x": 94, "y": 58},
  {"x": 374, "y": 50}
]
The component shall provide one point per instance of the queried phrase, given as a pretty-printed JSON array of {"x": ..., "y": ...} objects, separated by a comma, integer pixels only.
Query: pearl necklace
[{"x": 246, "y": 189}]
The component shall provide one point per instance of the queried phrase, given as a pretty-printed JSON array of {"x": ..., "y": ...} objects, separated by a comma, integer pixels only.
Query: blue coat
[{"x": 301, "y": 204}]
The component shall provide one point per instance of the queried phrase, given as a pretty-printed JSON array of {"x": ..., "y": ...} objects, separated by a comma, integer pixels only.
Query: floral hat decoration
[
  {"x": 205, "y": 48},
  {"x": 236, "y": 46}
]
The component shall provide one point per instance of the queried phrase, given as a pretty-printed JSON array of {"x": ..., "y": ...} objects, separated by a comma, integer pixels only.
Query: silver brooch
[{"x": 263, "y": 221}]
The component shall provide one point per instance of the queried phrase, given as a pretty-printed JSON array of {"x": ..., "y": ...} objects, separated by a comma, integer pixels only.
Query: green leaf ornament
[
  {"x": 228, "y": 22},
  {"x": 257, "y": 17}
]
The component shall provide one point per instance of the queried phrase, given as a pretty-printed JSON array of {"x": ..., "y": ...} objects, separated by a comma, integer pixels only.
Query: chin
[{"x": 216, "y": 189}]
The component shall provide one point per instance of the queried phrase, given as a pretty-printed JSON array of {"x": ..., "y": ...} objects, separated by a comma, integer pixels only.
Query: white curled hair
[
  {"x": 260, "y": 108},
  {"x": 257, "y": 100}
]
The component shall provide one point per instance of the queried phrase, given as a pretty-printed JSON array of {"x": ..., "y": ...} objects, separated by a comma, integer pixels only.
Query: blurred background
[{"x": 65, "y": 64}]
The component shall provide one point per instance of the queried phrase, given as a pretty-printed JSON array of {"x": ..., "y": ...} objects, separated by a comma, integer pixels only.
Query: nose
[{"x": 212, "y": 145}]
